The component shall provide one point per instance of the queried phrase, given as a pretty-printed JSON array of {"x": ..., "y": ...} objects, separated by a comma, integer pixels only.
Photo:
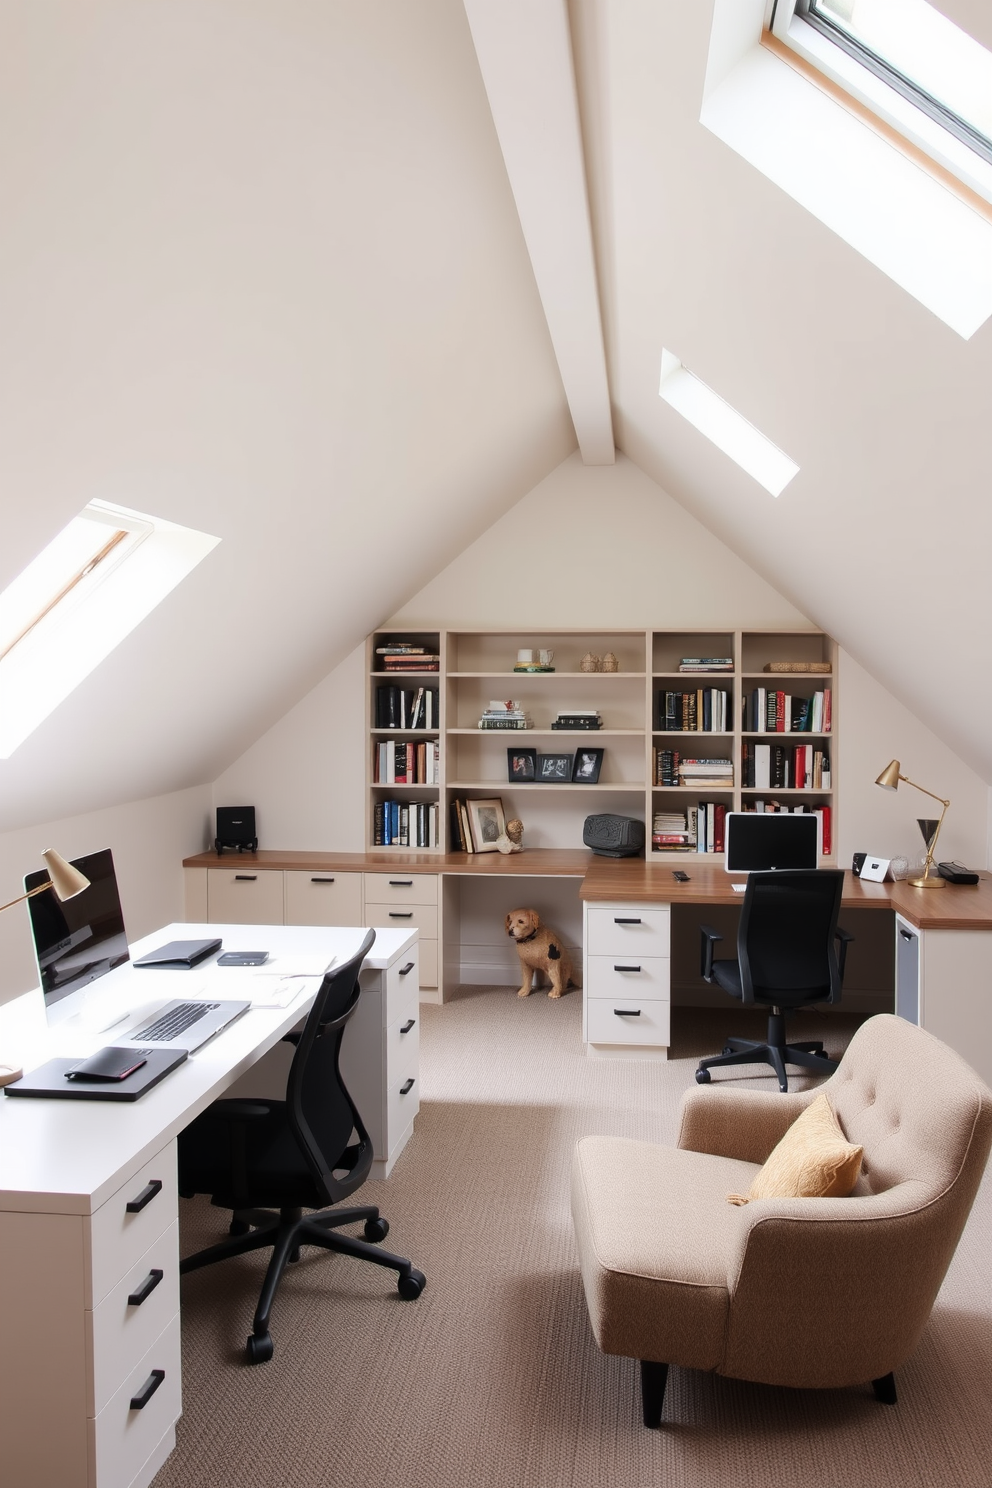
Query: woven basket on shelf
[{"x": 796, "y": 666}]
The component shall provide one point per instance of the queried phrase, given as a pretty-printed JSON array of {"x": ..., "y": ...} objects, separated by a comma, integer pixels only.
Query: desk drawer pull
[
  {"x": 407, "y": 1087},
  {"x": 626, "y": 968},
  {"x": 322, "y": 880},
  {"x": 246, "y": 878},
  {"x": 143, "y": 1292},
  {"x": 135, "y": 1206},
  {"x": 139, "y": 1401},
  {"x": 626, "y": 1012},
  {"x": 406, "y": 970},
  {"x": 407, "y": 1026},
  {"x": 906, "y": 935},
  {"x": 625, "y": 922},
  {"x": 401, "y": 914},
  {"x": 401, "y": 883}
]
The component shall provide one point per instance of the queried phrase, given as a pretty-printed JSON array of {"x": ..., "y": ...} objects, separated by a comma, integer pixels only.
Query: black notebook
[
  {"x": 49, "y": 1081},
  {"x": 178, "y": 953}
]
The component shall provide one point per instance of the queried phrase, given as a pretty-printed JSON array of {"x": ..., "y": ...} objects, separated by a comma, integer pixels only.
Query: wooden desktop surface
[{"x": 634, "y": 880}]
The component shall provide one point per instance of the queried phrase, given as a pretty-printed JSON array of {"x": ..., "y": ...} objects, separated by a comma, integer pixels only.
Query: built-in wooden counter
[{"x": 538, "y": 862}]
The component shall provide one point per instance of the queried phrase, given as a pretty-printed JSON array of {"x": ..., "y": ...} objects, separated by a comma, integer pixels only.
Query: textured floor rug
[{"x": 492, "y": 1377}]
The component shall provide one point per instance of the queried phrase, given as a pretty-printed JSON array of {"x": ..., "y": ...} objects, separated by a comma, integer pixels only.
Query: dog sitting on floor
[{"x": 539, "y": 949}]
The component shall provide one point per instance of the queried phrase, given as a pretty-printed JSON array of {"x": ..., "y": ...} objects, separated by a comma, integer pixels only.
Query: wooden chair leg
[{"x": 654, "y": 1378}]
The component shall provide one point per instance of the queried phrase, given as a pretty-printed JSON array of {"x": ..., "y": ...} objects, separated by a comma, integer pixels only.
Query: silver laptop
[{"x": 185, "y": 1025}]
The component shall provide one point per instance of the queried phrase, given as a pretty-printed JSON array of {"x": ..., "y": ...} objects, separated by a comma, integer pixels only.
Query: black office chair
[
  {"x": 305, "y": 1152},
  {"x": 787, "y": 957}
]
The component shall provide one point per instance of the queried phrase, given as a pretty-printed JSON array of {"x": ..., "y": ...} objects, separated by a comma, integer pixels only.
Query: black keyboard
[{"x": 176, "y": 1021}]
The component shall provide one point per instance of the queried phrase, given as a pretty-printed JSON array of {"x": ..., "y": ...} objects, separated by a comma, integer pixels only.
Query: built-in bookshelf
[{"x": 679, "y": 743}]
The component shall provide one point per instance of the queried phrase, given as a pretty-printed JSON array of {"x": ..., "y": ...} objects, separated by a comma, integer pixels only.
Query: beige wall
[
  {"x": 149, "y": 840},
  {"x": 600, "y": 546}
]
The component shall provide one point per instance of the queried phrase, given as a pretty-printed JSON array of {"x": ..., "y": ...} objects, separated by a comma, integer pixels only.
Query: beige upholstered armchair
[{"x": 814, "y": 1293}]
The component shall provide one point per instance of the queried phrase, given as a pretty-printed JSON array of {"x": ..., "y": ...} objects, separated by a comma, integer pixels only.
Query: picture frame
[
  {"x": 587, "y": 765},
  {"x": 521, "y": 766},
  {"x": 487, "y": 823},
  {"x": 554, "y": 769}
]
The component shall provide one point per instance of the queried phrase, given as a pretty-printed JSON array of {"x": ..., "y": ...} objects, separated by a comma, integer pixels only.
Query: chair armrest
[
  {"x": 238, "y": 1110},
  {"x": 708, "y": 938},
  {"x": 845, "y": 939},
  {"x": 744, "y": 1124},
  {"x": 856, "y": 1278}
]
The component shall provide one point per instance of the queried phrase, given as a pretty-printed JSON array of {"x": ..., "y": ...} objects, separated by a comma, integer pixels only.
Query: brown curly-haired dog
[{"x": 539, "y": 949}]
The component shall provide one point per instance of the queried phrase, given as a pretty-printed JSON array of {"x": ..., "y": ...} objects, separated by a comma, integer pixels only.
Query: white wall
[
  {"x": 598, "y": 546},
  {"x": 149, "y": 840}
]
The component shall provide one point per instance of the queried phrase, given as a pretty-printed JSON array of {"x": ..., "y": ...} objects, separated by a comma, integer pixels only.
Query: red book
[
  {"x": 826, "y": 710},
  {"x": 824, "y": 814},
  {"x": 780, "y": 712},
  {"x": 718, "y": 826}
]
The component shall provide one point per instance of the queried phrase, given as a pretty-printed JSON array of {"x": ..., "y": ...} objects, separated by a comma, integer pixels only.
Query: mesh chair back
[
  {"x": 323, "y": 1116},
  {"x": 785, "y": 943}
]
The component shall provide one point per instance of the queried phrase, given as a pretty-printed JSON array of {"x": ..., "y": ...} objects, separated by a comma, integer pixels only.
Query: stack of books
[
  {"x": 707, "y": 710},
  {"x": 407, "y": 762},
  {"x": 779, "y": 767},
  {"x": 674, "y": 831},
  {"x": 706, "y": 664},
  {"x": 505, "y": 715},
  {"x": 577, "y": 718},
  {"x": 666, "y": 767},
  {"x": 405, "y": 824},
  {"x": 766, "y": 711},
  {"x": 404, "y": 656},
  {"x": 406, "y": 708},
  {"x": 709, "y": 772}
]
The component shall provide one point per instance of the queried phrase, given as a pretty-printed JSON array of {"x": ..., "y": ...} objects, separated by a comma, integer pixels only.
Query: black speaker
[
  {"x": 614, "y": 836},
  {"x": 236, "y": 828}
]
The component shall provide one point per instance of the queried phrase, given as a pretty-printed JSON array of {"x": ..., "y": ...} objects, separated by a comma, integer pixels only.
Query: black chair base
[
  {"x": 775, "y": 1051},
  {"x": 288, "y": 1230}
]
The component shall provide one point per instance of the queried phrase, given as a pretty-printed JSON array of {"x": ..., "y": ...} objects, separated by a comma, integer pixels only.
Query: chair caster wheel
[
  {"x": 821, "y": 1053},
  {"x": 259, "y": 1348},
  {"x": 376, "y": 1230},
  {"x": 702, "y": 1077},
  {"x": 238, "y": 1227},
  {"x": 411, "y": 1285},
  {"x": 727, "y": 1050}
]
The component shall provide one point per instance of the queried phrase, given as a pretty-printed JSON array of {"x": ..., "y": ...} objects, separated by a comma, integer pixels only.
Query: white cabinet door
[
  {"x": 244, "y": 896},
  {"x": 323, "y": 898}
]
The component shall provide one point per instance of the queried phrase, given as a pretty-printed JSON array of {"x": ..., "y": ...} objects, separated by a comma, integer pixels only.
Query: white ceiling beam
[{"x": 525, "y": 53}]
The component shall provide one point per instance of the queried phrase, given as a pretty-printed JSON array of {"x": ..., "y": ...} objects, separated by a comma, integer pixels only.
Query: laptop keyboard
[{"x": 176, "y": 1021}]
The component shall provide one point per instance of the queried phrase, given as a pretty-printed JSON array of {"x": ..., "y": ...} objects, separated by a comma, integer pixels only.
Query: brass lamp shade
[
  {"x": 890, "y": 777},
  {"x": 67, "y": 881}
]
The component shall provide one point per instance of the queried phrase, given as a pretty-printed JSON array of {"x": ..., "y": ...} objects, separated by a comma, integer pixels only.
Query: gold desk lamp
[
  {"x": 67, "y": 882},
  {"x": 889, "y": 780}
]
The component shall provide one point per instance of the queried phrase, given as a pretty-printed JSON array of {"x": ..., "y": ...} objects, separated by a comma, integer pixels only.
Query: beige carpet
[{"x": 492, "y": 1377}]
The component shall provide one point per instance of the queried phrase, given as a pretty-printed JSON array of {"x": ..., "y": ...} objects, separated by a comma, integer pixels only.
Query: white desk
[{"x": 74, "y": 1350}]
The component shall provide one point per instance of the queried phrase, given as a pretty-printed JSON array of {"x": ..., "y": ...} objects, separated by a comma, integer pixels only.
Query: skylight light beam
[{"x": 724, "y": 426}]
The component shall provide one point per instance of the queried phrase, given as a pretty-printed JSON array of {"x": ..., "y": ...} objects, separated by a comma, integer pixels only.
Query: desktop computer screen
[
  {"x": 83, "y": 938},
  {"x": 758, "y": 840}
]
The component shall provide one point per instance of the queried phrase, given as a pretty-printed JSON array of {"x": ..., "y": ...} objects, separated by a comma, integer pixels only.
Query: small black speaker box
[
  {"x": 614, "y": 836},
  {"x": 236, "y": 829}
]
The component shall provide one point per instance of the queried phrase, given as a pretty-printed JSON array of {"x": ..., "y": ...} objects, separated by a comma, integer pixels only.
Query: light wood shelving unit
[{"x": 477, "y": 665}]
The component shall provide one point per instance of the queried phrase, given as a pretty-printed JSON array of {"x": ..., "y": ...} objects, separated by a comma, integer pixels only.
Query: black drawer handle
[
  {"x": 907, "y": 935},
  {"x": 625, "y": 922},
  {"x": 135, "y": 1206},
  {"x": 626, "y": 968},
  {"x": 626, "y": 1012},
  {"x": 407, "y": 1026},
  {"x": 143, "y": 1292},
  {"x": 322, "y": 880},
  {"x": 401, "y": 883},
  {"x": 245, "y": 877},
  {"x": 406, "y": 1088},
  {"x": 406, "y": 970},
  {"x": 401, "y": 914},
  {"x": 139, "y": 1401}
]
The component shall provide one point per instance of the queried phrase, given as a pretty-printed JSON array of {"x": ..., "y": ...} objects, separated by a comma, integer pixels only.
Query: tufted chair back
[{"x": 857, "y": 1278}]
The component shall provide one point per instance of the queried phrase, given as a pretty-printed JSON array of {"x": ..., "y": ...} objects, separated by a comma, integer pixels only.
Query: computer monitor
[
  {"x": 758, "y": 840},
  {"x": 80, "y": 939}
]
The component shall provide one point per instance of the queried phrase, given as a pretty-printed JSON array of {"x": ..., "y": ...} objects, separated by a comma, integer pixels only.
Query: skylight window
[
  {"x": 77, "y": 600},
  {"x": 908, "y": 63},
  {"x": 724, "y": 426}
]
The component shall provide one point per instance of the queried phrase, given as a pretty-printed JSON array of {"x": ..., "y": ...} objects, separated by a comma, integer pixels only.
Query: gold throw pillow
[{"x": 814, "y": 1160}]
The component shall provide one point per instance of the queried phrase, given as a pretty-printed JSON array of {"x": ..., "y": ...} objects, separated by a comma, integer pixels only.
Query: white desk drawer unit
[
  {"x": 627, "y": 977},
  {"x": 407, "y": 901},
  {"x": 123, "y": 1228},
  {"x": 132, "y": 1315}
]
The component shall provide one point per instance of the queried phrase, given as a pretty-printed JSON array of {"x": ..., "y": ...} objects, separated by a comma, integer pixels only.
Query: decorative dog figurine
[{"x": 539, "y": 949}]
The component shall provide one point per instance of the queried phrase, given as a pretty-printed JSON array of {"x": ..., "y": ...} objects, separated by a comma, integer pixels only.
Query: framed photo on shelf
[
  {"x": 487, "y": 823},
  {"x": 521, "y": 765},
  {"x": 554, "y": 769},
  {"x": 588, "y": 763}
]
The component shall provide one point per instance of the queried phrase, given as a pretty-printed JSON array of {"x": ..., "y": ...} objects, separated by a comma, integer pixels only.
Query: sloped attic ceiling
[
  {"x": 262, "y": 275},
  {"x": 884, "y": 536}
]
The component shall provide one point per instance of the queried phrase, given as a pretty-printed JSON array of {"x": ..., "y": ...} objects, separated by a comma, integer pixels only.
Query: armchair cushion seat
[{"x": 654, "y": 1233}]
